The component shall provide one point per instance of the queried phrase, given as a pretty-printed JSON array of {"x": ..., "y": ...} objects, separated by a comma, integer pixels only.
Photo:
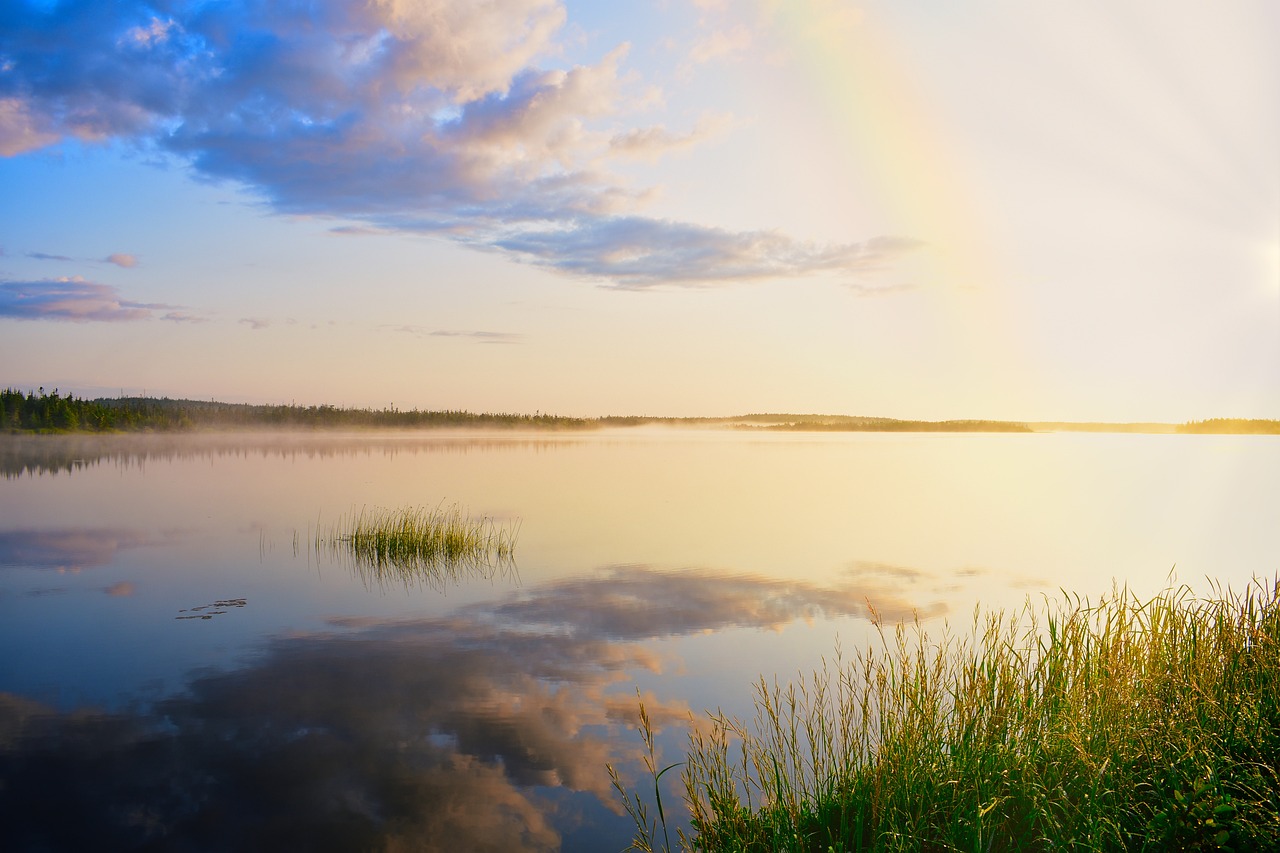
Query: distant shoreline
[{"x": 41, "y": 412}]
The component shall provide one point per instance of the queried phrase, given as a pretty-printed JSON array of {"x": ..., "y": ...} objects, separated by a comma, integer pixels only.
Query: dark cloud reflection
[
  {"x": 68, "y": 550},
  {"x": 635, "y": 602},
  {"x": 482, "y": 730}
]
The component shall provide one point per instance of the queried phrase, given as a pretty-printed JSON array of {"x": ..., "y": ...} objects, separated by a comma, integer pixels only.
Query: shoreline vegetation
[
  {"x": 1125, "y": 725},
  {"x": 51, "y": 412}
]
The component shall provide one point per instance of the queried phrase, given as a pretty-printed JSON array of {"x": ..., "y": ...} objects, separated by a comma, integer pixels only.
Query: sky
[{"x": 899, "y": 208}]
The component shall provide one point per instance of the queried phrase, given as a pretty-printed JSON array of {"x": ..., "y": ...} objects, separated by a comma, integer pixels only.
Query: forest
[{"x": 42, "y": 411}]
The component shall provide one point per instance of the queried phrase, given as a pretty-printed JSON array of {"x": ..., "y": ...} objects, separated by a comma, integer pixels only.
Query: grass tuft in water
[
  {"x": 1125, "y": 725},
  {"x": 420, "y": 544}
]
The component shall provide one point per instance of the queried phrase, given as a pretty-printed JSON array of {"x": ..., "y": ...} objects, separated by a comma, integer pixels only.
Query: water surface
[{"x": 183, "y": 670}]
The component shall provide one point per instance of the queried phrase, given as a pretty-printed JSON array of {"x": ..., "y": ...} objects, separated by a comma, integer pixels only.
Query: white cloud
[
  {"x": 480, "y": 336},
  {"x": 395, "y": 115},
  {"x": 21, "y": 130},
  {"x": 637, "y": 253},
  {"x": 154, "y": 33},
  {"x": 721, "y": 44},
  {"x": 652, "y": 142},
  {"x": 73, "y": 299}
]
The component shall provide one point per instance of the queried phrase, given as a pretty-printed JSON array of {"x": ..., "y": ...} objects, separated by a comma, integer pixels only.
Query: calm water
[{"x": 315, "y": 709}]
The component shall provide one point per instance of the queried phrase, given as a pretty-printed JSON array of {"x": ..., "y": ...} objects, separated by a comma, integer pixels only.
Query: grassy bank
[{"x": 1125, "y": 725}]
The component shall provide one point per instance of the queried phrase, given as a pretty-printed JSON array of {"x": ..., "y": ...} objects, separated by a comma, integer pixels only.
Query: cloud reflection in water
[
  {"x": 71, "y": 549},
  {"x": 463, "y": 732}
]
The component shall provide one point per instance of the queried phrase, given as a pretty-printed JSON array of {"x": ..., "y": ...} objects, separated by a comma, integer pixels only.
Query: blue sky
[{"x": 681, "y": 208}]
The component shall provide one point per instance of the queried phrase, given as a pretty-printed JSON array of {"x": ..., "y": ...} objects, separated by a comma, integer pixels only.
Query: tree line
[{"x": 41, "y": 411}]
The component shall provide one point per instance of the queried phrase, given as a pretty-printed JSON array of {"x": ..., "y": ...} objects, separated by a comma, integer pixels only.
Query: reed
[
  {"x": 419, "y": 544},
  {"x": 1125, "y": 725}
]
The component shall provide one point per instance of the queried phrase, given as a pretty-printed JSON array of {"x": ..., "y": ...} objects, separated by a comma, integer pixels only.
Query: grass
[
  {"x": 1125, "y": 725},
  {"x": 419, "y": 544}
]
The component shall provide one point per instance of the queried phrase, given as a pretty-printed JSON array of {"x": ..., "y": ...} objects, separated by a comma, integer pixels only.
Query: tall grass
[
  {"x": 419, "y": 544},
  {"x": 1126, "y": 725}
]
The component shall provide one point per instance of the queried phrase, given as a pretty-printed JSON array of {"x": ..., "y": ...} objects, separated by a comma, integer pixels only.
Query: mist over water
[{"x": 183, "y": 669}]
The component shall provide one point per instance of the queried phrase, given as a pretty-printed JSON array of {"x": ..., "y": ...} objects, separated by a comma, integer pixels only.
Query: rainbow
[{"x": 896, "y": 143}]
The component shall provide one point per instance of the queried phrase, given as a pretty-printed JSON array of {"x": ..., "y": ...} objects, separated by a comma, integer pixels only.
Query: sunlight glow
[{"x": 1271, "y": 269}]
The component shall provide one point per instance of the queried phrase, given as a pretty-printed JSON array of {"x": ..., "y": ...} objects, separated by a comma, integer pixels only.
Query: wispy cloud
[
  {"x": 477, "y": 336},
  {"x": 357, "y": 230},
  {"x": 255, "y": 323},
  {"x": 433, "y": 117},
  {"x": 721, "y": 44},
  {"x": 481, "y": 337},
  {"x": 863, "y": 290},
  {"x": 635, "y": 253},
  {"x": 653, "y": 142},
  {"x": 120, "y": 259},
  {"x": 20, "y": 130},
  {"x": 183, "y": 317},
  {"x": 73, "y": 299}
]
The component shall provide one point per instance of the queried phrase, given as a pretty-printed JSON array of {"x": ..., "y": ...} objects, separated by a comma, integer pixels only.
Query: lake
[{"x": 184, "y": 670}]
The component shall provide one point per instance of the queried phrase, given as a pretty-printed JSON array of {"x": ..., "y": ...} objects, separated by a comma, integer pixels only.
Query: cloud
[
  {"x": 183, "y": 317},
  {"x": 120, "y": 590},
  {"x": 865, "y": 290},
  {"x": 72, "y": 299},
  {"x": 357, "y": 231},
  {"x": 481, "y": 337},
  {"x": 120, "y": 259},
  {"x": 652, "y": 142},
  {"x": 425, "y": 117},
  {"x": 721, "y": 44},
  {"x": 255, "y": 323},
  {"x": 636, "y": 253},
  {"x": 20, "y": 130}
]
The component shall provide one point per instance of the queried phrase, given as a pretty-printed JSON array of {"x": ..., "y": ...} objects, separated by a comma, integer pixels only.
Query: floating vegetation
[
  {"x": 419, "y": 545},
  {"x": 208, "y": 611},
  {"x": 1125, "y": 725}
]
